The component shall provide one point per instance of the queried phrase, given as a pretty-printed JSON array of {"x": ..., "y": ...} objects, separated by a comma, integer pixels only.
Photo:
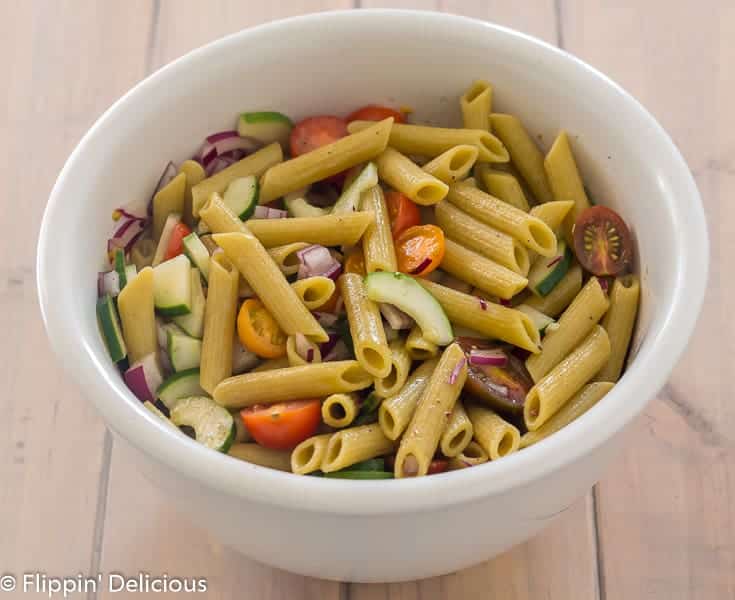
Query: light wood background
[{"x": 660, "y": 525}]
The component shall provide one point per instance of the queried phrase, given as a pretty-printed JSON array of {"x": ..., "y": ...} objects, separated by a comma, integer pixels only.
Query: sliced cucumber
[
  {"x": 539, "y": 319},
  {"x": 131, "y": 272},
  {"x": 404, "y": 293},
  {"x": 546, "y": 272},
  {"x": 241, "y": 196},
  {"x": 197, "y": 253},
  {"x": 111, "y": 331},
  {"x": 119, "y": 264},
  {"x": 180, "y": 385},
  {"x": 172, "y": 286},
  {"x": 185, "y": 351},
  {"x": 349, "y": 200},
  {"x": 171, "y": 221},
  {"x": 193, "y": 323},
  {"x": 266, "y": 127},
  {"x": 298, "y": 206},
  {"x": 213, "y": 425}
]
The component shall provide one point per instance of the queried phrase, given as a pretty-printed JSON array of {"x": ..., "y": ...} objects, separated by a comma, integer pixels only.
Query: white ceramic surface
[{"x": 332, "y": 63}]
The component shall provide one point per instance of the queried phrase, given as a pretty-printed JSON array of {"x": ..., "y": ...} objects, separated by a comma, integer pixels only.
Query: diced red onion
[
  {"x": 334, "y": 272},
  {"x": 604, "y": 284},
  {"x": 207, "y": 154},
  {"x": 326, "y": 319},
  {"x": 129, "y": 212},
  {"x": 220, "y": 136},
  {"x": 316, "y": 260},
  {"x": 144, "y": 378},
  {"x": 457, "y": 370},
  {"x": 327, "y": 346},
  {"x": 483, "y": 303},
  {"x": 109, "y": 283},
  {"x": 303, "y": 346},
  {"x": 266, "y": 212},
  {"x": 495, "y": 358},
  {"x": 504, "y": 302},
  {"x": 553, "y": 262},
  {"x": 396, "y": 318},
  {"x": 310, "y": 355},
  {"x": 169, "y": 172},
  {"x": 500, "y": 390},
  {"x": 339, "y": 352},
  {"x": 424, "y": 263}
]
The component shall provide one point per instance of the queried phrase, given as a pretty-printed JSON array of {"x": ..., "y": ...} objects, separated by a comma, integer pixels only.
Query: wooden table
[{"x": 660, "y": 525}]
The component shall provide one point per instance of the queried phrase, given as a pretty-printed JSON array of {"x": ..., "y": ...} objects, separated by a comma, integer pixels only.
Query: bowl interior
[{"x": 332, "y": 64}]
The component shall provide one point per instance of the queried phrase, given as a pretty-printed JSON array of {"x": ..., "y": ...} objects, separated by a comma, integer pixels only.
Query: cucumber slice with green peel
[
  {"x": 119, "y": 265},
  {"x": 298, "y": 206},
  {"x": 405, "y": 294},
  {"x": 172, "y": 286},
  {"x": 193, "y": 323},
  {"x": 197, "y": 253},
  {"x": 180, "y": 385},
  {"x": 539, "y": 319},
  {"x": 131, "y": 272},
  {"x": 111, "y": 330},
  {"x": 184, "y": 351},
  {"x": 265, "y": 126},
  {"x": 241, "y": 196},
  {"x": 349, "y": 200},
  {"x": 547, "y": 271},
  {"x": 213, "y": 425},
  {"x": 171, "y": 221},
  {"x": 359, "y": 475}
]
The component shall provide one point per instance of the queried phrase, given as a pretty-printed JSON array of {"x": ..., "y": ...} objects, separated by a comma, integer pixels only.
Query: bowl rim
[{"x": 252, "y": 482}]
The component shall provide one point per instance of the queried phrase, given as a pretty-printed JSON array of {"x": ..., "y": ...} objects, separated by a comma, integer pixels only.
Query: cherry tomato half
[
  {"x": 176, "y": 241},
  {"x": 420, "y": 249},
  {"x": 402, "y": 211},
  {"x": 602, "y": 241},
  {"x": 282, "y": 426},
  {"x": 374, "y": 112},
  {"x": 315, "y": 132},
  {"x": 258, "y": 331}
]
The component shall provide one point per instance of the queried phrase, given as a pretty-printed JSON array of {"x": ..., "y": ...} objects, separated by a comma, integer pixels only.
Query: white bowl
[{"x": 332, "y": 63}]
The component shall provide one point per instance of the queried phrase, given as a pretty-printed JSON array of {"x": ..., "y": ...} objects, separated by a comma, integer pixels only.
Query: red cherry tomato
[
  {"x": 315, "y": 132},
  {"x": 602, "y": 241},
  {"x": 282, "y": 426},
  {"x": 176, "y": 241},
  {"x": 402, "y": 211},
  {"x": 373, "y": 112}
]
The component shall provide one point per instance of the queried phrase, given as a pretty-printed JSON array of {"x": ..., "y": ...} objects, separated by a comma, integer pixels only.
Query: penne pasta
[
  {"x": 339, "y": 410},
  {"x": 220, "y": 311},
  {"x": 503, "y": 186},
  {"x": 399, "y": 370},
  {"x": 618, "y": 322},
  {"x": 254, "y": 164},
  {"x": 458, "y": 432},
  {"x": 421, "y": 438},
  {"x": 575, "y": 323},
  {"x": 530, "y": 231},
  {"x": 264, "y": 457},
  {"x": 195, "y": 173},
  {"x": 553, "y": 213},
  {"x": 330, "y": 230},
  {"x": 487, "y": 318},
  {"x": 566, "y": 379},
  {"x": 566, "y": 184},
  {"x": 169, "y": 199},
  {"x": 285, "y": 256},
  {"x": 366, "y": 326},
  {"x": 377, "y": 242},
  {"x": 476, "y": 104},
  {"x": 248, "y": 254},
  {"x": 481, "y": 272},
  {"x": 488, "y": 241},
  {"x": 471, "y": 456},
  {"x": 307, "y": 457},
  {"x": 454, "y": 164},
  {"x": 354, "y": 445},
  {"x": 314, "y": 291},
  {"x": 396, "y": 411},
  {"x": 137, "y": 316},
  {"x": 524, "y": 154},
  {"x": 282, "y": 385},
  {"x": 418, "y": 347},
  {"x": 496, "y": 436},
  {"x": 585, "y": 399},
  {"x": 560, "y": 297},
  {"x": 325, "y": 161},
  {"x": 407, "y": 177},
  {"x": 142, "y": 253},
  {"x": 432, "y": 141},
  {"x": 295, "y": 359}
]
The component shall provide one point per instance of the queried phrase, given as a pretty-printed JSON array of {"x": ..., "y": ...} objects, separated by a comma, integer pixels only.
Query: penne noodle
[
  {"x": 142, "y": 253},
  {"x": 458, "y": 432},
  {"x": 476, "y": 104},
  {"x": 554, "y": 303},
  {"x": 488, "y": 241},
  {"x": 432, "y": 141},
  {"x": 254, "y": 164},
  {"x": 585, "y": 399},
  {"x": 553, "y": 213},
  {"x": 264, "y": 457},
  {"x": 354, "y": 445},
  {"x": 399, "y": 370},
  {"x": 330, "y": 230},
  {"x": 138, "y": 317},
  {"x": 530, "y": 231},
  {"x": 471, "y": 456},
  {"x": 421, "y": 439},
  {"x": 169, "y": 199},
  {"x": 566, "y": 379},
  {"x": 396, "y": 411},
  {"x": 618, "y": 323},
  {"x": 195, "y": 173},
  {"x": 481, "y": 272},
  {"x": 487, "y": 318},
  {"x": 418, "y": 347},
  {"x": 366, "y": 326},
  {"x": 503, "y": 186},
  {"x": 325, "y": 161},
  {"x": 285, "y": 256},
  {"x": 377, "y": 242},
  {"x": 314, "y": 291},
  {"x": 339, "y": 410},
  {"x": 496, "y": 436},
  {"x": 307, "y": 457},
  {"x": 524, "y": 154},
  {"x": 407, "y": 177},
  {"x": 282, "y": 385},
  {"x": 454, "y": 164}
]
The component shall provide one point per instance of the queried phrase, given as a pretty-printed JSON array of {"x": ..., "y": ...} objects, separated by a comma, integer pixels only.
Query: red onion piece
[
  {"x": 504, "y": 302},
  {"x": 334, "y": 272},
  {"x": 424, "y": 263},
  {"x": 144, "y": 378},
  {"x": 303, "y": 347},
  {"x": 396, "y": 318},
  {"x": 266, "y": 212},
  {"x": 109, "y": 283},
  {"x": 604, "y": 284},
  {"x": 457, "y": 370},
  {"x": 213, "y": 138},
  {"x": 316, "y": 260},
  {"x": 553, "y": 262},
  {"x": 129, "y": 212},
  {"x": 126, "y": 235},
  {"x": 326, "y": 319},
  {"x": 310, "y": 355},
  {"x": 483, "y": 303},
  {"x": 327, "y": 346},
  {"x": 495, "y": 358},
  {"x": 169, "y": 172}
]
